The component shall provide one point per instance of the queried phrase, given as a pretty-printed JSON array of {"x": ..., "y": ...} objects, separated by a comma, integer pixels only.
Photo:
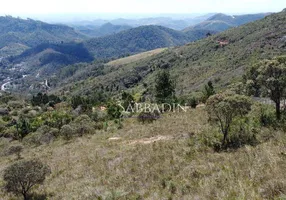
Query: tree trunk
[
  {"x": 225, "y": 133},
  {"x": 278, "y": 111},
  {"x": 25, "y": 196}
]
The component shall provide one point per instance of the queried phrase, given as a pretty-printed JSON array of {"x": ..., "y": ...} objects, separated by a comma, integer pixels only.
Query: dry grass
[
  {"x": 137, "y": 57},
  {"x": 172, "y": 166}
]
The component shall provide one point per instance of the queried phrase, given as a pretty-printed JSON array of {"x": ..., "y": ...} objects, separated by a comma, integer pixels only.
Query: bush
[
  {"x": 15, "y": 104},
  {"x": 243, "y": 132},
  {"x": 21, "y": 176},
  {"x": 224, "y": 108},
  {"x": 17, "y": 149},
  {"x": 114, "y": 110},
  {"x": 67, "y": 132},
  {"x": 266, "y": 115},
  {"x": 193, "y": 102},
  {"x": 4, "y": 111},
  {"x": 44, "y": 135},
  {"x": 148, "y": 117}
]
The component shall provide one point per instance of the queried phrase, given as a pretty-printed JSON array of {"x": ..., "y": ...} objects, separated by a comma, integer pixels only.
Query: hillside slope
[
  {"x": 221, "y": 22},
  {"x": 137, "y": 40},
  {"x": 221, "y": 58},
  {"x": 48, "y": 58},
  {"x": 32, "y": 33}
]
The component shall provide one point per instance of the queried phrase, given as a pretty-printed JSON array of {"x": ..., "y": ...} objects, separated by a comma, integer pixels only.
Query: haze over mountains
[
  {"x": 40, "y": 48},
  {"x": 221, "y": 22}
]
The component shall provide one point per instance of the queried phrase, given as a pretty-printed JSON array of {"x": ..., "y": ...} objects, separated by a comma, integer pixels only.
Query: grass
[
  {"x": 172, "y": 164},
  {"x": 134, "y": 58}
]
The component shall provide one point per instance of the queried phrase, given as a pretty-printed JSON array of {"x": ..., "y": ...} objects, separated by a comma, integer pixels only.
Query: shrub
[
  {"x": 4, "y": 111},
  {"x": 243, "y": 132},
  {"x": 208, "y": 91},
  {"x": 265, "y": 115},
  {"x": 21, "y": 176},
  {"x": 15, "y": 104},
  {"x": 99, "y": 116},
  {"x": 44, "y": 135},
  {"x": 224, "y": 108},
  {"x": 114, "y": 110},
  {"x": 193, "y": 102},
  {"x": 23, "y": 128},
  {"x": 56, "y": 119},
  {"x": 128, "y": 100},
  {"x": 17, "y": 149},
  {"x": 148, "y": 117},
  {"x": 67, "y": 132}
]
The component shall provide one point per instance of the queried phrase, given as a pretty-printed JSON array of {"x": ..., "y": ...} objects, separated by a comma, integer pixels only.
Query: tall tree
[
  {"x": 272, "y": 76},
  {"x": 208, "y": 91},
  {"x": 164, "y": 88}
]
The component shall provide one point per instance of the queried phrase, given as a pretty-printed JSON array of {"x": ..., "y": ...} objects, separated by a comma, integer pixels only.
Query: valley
[{"x": 187, "y": 108}]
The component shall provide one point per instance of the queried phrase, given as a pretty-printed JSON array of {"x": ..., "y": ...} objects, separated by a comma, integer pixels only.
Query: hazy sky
[{"x": 35, "y": 7}]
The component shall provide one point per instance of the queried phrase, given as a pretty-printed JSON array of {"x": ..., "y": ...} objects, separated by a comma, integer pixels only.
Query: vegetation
[
  {"x": 232, "y": 147},
  {"x": 221, "y": 22},
  {"x": 164, "y": 88},
  {"x": 208, "y": 91},
  {"x": 137, "y": 40},
  {"x": 195, "y": 64},
  {"x": 32, "y": 33},
  {"x": 223, "y": 108},
  {"x": 21, "y": 176}
]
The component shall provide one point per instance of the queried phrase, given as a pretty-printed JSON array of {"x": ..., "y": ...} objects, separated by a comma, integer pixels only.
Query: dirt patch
[
  {"x": 114, "y": 138},
  {"x": 150, "y": 140}
]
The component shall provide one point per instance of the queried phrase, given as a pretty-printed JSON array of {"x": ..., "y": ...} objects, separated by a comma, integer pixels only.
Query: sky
[{"x": 136, "y": 7}]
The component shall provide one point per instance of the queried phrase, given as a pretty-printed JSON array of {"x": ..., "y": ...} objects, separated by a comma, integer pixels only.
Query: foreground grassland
[{"x": 167, "y": 159}]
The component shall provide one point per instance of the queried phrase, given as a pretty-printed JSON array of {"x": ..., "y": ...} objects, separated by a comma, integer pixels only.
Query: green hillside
[
  {"x": 32, "y": 33},
  {"x": 196, "y": 63},
  {"x": 138, "y": 40},
  {"x": 221, "y": 22}
]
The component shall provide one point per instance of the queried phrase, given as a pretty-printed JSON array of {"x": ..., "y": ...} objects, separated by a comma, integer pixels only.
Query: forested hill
[
  {"x": 137, "y": 40},
  {"x": 221, "y": 22},
  {"x": 31, "y": 33}
]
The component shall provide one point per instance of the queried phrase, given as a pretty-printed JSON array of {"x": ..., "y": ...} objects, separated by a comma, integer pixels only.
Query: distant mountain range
[
  {"x": 103, "y": 30},
  {"x": 177, "y": 24},
  {"x": 34, "y": 45},
  {"x": 221, "y": 22}
]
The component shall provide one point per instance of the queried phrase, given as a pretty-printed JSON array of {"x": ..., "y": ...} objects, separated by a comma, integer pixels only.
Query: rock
[{"x": 4, "y": 111}]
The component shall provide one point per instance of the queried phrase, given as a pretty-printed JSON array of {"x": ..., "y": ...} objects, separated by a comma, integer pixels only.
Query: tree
[
  {"x": 223, "y": 108},
  {"x": 164, "y": 88},
  {"x": 114, "y": 110},
  {"x": 272, "y": 76},
  {"x": 251, "y": 81},
  {"x": 21, "y": 176},
  {"x": 23, "y": 128},
  {"x": 128, "y": 100},
  {"x": 208, "y": 91}
]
